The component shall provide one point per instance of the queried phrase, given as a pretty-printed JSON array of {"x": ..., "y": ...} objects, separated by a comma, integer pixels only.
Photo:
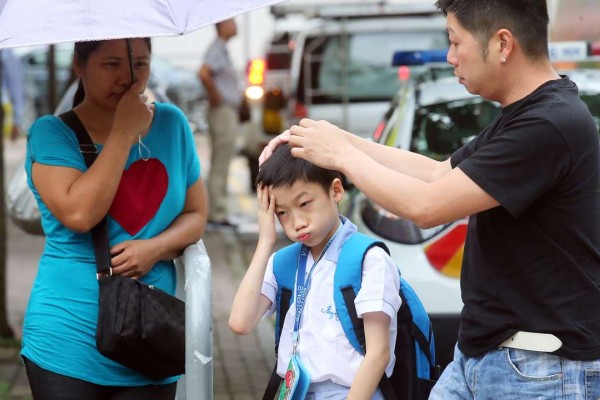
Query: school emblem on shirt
[{"x": 331, "y": 313}]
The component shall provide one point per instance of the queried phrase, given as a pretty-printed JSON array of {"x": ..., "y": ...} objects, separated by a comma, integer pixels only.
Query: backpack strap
[
  {"x": 346, "y": 285},
  {"x": 421, "y": 330},
  {"x": 285, "y": 264},
  {"x": 347, "y": 282}
]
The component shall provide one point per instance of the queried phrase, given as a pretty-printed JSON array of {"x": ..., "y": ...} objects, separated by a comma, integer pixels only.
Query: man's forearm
[{"x": 405, "y": 162}]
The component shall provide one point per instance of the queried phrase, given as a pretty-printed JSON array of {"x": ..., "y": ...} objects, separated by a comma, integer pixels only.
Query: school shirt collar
[{"x": 345, "y": 230}]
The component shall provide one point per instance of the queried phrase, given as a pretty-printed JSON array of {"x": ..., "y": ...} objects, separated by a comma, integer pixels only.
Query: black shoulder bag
[{"x": 139, "y": 326}]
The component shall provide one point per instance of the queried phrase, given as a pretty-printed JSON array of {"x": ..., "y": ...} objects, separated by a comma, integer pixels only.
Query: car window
[
  {"x": 441, "y": 129},
  {"x": 359, "y": 62}
]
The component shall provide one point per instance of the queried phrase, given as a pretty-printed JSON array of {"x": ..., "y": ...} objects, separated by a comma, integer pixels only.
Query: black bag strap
[
  {"x": 275, "y": 380},
  {"x": 89, "y": 151},
  {"x": 423, "y": 342},
  {"x": 273, "y": 385}
]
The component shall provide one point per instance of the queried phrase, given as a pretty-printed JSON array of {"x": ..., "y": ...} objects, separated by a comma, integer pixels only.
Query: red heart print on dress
[{"x": 141, "y": 191}]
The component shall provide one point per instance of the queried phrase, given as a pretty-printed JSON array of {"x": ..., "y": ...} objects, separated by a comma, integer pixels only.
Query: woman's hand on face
[
  {"x": 266, "y": 215},
  {"x": 133, "y": 258},
  {"x": 133, "y": 116},
  {"x": 272, "y": 145}
]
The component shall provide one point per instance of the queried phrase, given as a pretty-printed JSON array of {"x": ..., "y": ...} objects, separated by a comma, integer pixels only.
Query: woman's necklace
[{"x": 143, "y": 149}]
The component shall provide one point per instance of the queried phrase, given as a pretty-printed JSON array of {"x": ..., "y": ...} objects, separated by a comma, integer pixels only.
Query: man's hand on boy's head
[
  {"x": 272, "y": 145},
  {"x": 266, "y": 215},
  {"x": 320, "y": 143}
]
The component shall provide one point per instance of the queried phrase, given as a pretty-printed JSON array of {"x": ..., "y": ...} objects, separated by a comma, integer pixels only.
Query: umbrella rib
[{"x": 172, "y": 15}]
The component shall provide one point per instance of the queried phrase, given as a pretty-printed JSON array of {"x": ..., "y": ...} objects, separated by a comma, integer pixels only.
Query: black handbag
[{"x": 139, "y": 326}]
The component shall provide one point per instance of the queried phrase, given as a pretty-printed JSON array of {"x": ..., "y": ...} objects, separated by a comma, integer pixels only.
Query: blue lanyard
[{"x": 303, "y": 285}]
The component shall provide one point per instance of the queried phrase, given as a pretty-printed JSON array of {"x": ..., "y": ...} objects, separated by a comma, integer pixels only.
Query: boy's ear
[{"x": 337, "y": 190}]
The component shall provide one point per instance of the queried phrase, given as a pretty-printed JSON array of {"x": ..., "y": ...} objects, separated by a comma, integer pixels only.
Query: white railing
[{"x": 194, "y": 287}]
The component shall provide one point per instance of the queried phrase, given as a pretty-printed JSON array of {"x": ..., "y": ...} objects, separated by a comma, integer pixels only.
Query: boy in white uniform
[{"x": 304, "y": 197}]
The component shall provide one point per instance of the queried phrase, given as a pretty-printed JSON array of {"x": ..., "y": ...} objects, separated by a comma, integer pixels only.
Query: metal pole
[{"x": 197, "y": 288}]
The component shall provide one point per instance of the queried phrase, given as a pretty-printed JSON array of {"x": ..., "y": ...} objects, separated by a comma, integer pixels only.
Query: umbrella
[{"x": 35, "y": 22}]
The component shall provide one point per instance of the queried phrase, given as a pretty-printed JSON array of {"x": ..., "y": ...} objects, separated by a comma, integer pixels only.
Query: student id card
[{"x": 296, "y": 381}]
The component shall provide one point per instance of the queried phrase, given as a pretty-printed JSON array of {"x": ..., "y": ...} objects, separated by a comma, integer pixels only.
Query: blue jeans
[{"x": 507, "y": 373}]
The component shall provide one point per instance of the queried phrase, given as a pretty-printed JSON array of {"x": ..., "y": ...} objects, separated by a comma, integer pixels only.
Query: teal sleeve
[{"x": 51, "y": 142}]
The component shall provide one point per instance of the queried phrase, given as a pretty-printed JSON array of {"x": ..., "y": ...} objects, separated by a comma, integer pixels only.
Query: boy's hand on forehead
[{"x": 266, "y": 215}]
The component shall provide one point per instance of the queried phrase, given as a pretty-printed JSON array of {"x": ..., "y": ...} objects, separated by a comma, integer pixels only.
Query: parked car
[
  {"x": 341, "y": 69},
  {"x": 183, "y": 88},
  {"x": 432, "y": 114}
]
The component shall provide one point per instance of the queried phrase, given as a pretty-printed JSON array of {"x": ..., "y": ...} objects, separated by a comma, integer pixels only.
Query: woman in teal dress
[{"x": 146, "y": 180}]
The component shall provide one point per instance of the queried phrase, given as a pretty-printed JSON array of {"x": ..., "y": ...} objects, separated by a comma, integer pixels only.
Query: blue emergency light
[{"x": 419, "y": 57}]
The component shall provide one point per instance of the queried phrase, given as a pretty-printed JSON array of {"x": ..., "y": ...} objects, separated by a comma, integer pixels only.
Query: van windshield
[
  {"x": 441, "y": 129},
  {"x": 357, "y": 67}
]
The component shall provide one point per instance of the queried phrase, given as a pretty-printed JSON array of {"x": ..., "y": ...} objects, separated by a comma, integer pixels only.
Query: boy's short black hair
[{"x": 283, "y": 169}]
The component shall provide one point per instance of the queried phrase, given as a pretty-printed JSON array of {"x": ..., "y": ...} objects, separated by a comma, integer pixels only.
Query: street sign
[{"x": 568, "y": 51}]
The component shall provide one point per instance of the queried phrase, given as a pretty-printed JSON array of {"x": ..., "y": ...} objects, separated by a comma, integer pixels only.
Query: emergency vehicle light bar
[
  {"x": 559, "y": 51},
  {"x": 419, "y": 57}
]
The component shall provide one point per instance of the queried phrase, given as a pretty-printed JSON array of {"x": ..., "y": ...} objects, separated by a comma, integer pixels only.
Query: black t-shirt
[{"x": 533, "y": 264}]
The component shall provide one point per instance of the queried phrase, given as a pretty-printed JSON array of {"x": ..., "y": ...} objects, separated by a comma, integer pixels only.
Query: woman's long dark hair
[{"x": 83, "y": 50}]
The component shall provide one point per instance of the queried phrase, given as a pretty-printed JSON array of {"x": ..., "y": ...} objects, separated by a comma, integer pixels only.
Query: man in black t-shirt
[{"x": 530, "y": 182}]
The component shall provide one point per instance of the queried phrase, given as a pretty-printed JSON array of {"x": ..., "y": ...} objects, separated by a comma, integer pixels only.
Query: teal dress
[{"x": 60, "y": 321}]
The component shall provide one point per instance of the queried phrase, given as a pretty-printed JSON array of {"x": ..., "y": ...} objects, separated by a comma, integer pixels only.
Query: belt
[{"x": 544, "y": 342}]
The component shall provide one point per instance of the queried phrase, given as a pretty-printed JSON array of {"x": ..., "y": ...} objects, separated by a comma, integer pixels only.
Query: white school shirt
[{"x": 323, "y": 347}]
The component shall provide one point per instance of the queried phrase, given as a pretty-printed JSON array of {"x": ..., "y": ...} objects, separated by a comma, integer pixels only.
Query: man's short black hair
[
  {"x": 526, "y": 19},
  {"x": 283, "y": 169}
]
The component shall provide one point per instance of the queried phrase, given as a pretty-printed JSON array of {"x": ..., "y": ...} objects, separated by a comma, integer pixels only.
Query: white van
[
  {"x": 341, "y": 65},
  {"x": 331, "y": 60}
]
